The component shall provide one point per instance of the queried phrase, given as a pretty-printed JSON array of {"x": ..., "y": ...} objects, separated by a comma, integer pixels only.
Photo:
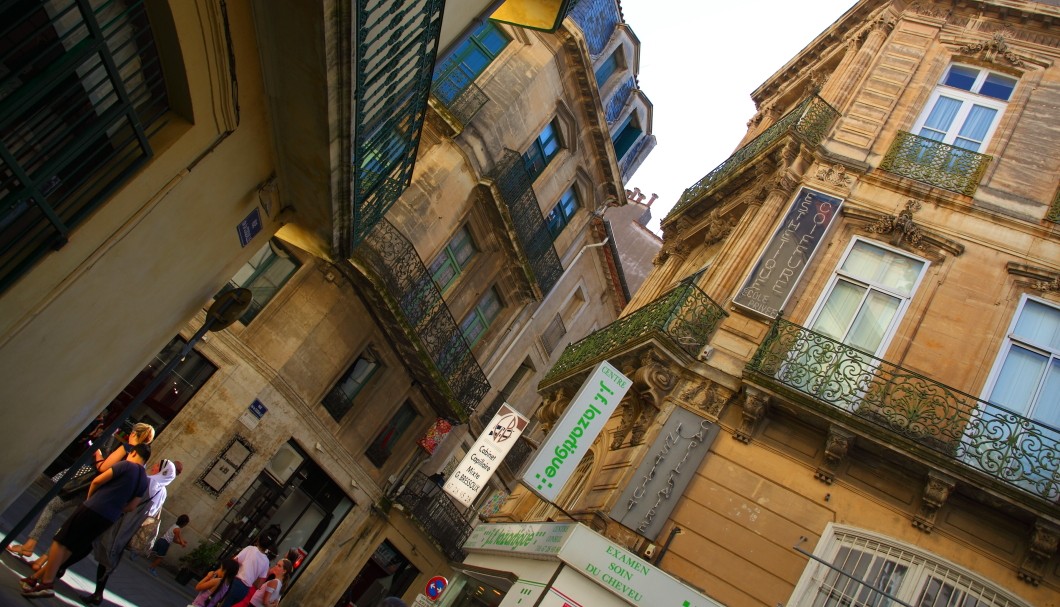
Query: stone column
[
  {"x": 737, "y": 254},
  {"x": 828, "y": 91},
  {"x": 843, "y": 91}
]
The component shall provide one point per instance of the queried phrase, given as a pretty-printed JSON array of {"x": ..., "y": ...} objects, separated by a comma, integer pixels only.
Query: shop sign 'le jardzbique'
[{"x": 581, "y": 423}]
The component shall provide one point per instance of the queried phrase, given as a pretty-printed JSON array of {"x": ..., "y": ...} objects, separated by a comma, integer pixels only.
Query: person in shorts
[
  {"x": 112, "y": 493},
  {"x": 161, "y": 547}
]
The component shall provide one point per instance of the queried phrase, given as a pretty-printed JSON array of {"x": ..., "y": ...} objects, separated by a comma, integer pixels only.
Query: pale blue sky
[{"x": 700, "y": 61}]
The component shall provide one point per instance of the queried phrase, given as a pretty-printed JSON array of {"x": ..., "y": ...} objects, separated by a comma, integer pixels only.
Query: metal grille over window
[
  {"x": 553, "y": 334},
  {"x": 81, "y": 92},
  {"x": 849, "y": 568}
]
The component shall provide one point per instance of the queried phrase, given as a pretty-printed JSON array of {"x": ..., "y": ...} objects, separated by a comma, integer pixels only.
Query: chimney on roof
[{"x": 653, "y": 197}]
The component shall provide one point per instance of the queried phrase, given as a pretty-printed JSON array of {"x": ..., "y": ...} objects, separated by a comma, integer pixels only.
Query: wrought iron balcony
[
  {"x": 1054, "y": 210},
  {"x": 412, "y": 291},
  {"x": 396, "y": 46},
  {"x": 970, "y": 433},
  {"x": 460, "y": 99},
  {"x": 443, "y": 520},
  {"x": 685, "y": 316},
  {"x": 811, "y": 120},
  {"x": 935, "y": 163},
  {"x": 516, "y": 190},
  {"x": 517, "y": 456}
]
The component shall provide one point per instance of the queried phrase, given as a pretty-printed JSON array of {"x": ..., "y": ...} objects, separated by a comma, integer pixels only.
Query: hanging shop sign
[
  {"x": 475, "y": 470},
  {"x": 626, "y": 574},
  {"x": 579, "y": 426},
  {"x": 789, "y": 251},
  {"x": 532, "y": 539},
  {"x": 664, "y": 473}
]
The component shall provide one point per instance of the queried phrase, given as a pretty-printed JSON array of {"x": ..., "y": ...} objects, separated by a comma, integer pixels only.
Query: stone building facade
[
  {"x": 845, "y": 361},
  {"x": 384, "y": 336}
]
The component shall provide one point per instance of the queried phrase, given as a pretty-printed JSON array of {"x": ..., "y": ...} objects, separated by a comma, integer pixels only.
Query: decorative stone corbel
[
  {"x": 717, "y": 227},
  {"x": 936, "y": 492},
  {"x": 993, "y": 50},
  {"x": 1044, "y": 541},
  {"x": 904, "y": 231},
  {"x": 551, "y": 408},
  {"x": 836, "y": 447},
  {"x": 836, "y": 175},
  {"x": 1035, "y": 278},
  {"x": 755, "y": 406}
]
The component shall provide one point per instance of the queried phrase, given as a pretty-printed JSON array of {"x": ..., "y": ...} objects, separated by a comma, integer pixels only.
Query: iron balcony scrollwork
[
  {"x": 396, "y": 46},
  {"x": 935, "y": 163},
  {"x": 1018, "y": 451},
  {"x": 460, "y": 96},
  {"x": 685, "y": 316},
  {"x": 516, "y": 190},
  {"x": 811, "y": 120},
  {"x": 393, "y": 258},
  {"x": 437, "y": 514}
]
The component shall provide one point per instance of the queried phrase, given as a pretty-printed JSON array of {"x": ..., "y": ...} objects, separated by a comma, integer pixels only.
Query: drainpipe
[{"x": 673, "y": 532}]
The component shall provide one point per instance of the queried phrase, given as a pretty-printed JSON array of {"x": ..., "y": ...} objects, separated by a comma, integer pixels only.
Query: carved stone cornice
[
  {"x": 993, "y": 50},
  {"x": 755, "y": 407},
  {"x": 1035, "y": 278},
  {"x": 903, "y": 230},
  {"x": 936, "y": 492},
  {"x": 929, "y": 9},
  {"x": 707, "y": 396},
  {"x": 1043, "y": 546},
  {"x": 836, "y": 446}
]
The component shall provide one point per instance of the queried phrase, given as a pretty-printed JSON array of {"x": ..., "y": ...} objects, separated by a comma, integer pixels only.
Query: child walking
[{"x": 172, "y": 536}]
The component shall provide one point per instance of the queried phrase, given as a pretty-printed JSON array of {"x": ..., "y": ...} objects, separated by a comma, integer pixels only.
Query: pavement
[{"x": 131, "y": 585}]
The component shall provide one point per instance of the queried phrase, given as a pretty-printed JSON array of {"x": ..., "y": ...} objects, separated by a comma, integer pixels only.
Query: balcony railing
[
  {"x": 1054, "y": 209},
  {"x": 516, "y": 190},
  {"x": 437, "y": 514},
  {"x": 1013, "y": 449},
  {"x": 685, "y": 316},
  {"x": 460, "y": 97},
  {"x": 935, "y": 163},
  {"x": 396, "y": 46},
  {"x": 393, "y": 258},
  {"x": 517, "y": 456},
  {"x": 811, "y": 119}
]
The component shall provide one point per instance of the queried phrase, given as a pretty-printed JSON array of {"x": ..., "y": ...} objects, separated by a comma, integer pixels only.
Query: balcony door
[
  {"x": 1017, "y": 435},
  {"x": 861, "y": 307}
]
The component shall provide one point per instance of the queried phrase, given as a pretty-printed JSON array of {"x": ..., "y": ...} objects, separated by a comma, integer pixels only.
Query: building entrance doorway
[
  {"x": 294, "y": 493},
  {"x": 387, "y": 573}
]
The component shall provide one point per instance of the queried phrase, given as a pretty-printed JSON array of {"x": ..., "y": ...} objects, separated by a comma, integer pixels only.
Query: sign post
[{"x": 582, "y": 422}]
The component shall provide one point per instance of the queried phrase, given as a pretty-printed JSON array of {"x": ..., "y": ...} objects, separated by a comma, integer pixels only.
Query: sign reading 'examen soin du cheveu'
[{"x": 579, "y": 426}]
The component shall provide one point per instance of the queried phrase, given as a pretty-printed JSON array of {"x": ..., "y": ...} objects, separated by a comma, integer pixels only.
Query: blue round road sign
[{"x": 435, "y": 586}]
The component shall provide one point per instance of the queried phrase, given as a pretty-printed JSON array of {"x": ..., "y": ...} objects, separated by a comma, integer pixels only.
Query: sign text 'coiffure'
[{"x": 485, "y": 455}]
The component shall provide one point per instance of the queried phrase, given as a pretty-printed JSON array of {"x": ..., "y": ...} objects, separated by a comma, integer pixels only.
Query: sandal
[
  {"x": 40, "y": 590},
  {"x": 18, "y": 551}
]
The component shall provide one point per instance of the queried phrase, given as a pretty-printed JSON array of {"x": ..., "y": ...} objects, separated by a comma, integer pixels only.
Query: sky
[{"x": 699, "y": 62}]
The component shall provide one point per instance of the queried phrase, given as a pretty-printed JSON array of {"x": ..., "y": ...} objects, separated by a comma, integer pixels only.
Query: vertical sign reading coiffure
[
  {"x": 581, "y": 423},
  {"x": 788, "y": 253},
  {"x": 485, "y": 455}
]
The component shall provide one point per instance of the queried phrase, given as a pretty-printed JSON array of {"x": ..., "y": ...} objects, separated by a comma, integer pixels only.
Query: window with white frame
[
  {"x": 265, "y": 273},
  {"x": 965, "y": 107},
  {"x": 863, "y": 569},
  {"x": 867, "y": 295},
  {"x": 1026, "y": 376},
  {"x": 339, "y": 400}
]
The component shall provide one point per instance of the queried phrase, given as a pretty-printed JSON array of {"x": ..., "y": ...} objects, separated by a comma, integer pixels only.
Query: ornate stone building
[
  {"x": 397, "y": 301},
  {"x": 846, "y": 363}
]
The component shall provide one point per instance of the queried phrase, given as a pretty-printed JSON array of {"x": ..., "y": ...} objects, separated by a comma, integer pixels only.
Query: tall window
[
  {"x": 867, "y": 296},
  {"x": 561, "y": 214},
  {"x": 626, "y": 135},
  {"x": 965, "y": 107},
  {"x": 865, "y": 570},
  {"x": 453, "y": 259},
  {"x": 479, "y": 319},
  {"x": 383, "y": 445},
  {"x": 1026, "y": 379},
  {"x": 339, "y": 400},
  {"x": 542, "y": 150},
  {"x": 80, "y": 96},
  {"x": 470, "y": 58},
  {"x": 264, "y": 274},
  {"x": 608, "y": 67}
]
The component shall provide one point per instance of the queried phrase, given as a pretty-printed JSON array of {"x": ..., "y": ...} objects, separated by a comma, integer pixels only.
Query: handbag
[{"x": 77, "y": 485}]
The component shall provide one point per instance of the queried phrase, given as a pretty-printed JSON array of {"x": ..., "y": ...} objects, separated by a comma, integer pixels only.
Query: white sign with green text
[
  {"x": 579, "y": 426},
  {"x": 626, "y": 574}
]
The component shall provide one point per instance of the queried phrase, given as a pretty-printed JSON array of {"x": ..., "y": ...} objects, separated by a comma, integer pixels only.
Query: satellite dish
[{"x": 228, "y": 307}]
